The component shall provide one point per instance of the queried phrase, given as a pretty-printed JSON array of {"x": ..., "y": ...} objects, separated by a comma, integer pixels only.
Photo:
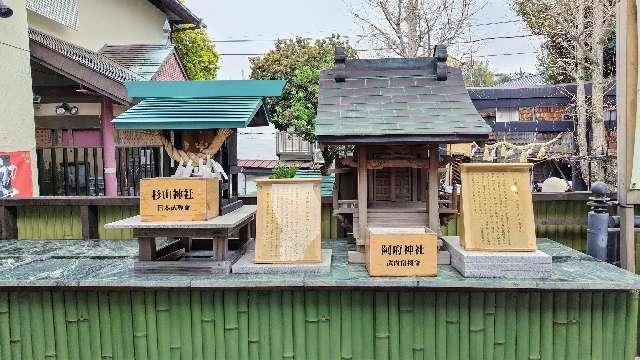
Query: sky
[{"x": 240, "y": 27}]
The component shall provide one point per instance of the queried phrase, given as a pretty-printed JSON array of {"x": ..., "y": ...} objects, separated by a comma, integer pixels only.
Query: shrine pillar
[{"x": 108, "y": 148}]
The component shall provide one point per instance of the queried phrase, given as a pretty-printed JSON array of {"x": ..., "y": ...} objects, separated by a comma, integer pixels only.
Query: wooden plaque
[
  {"x": 496, "y": 207},
  {"x": 404, "y": 251},
  {"x": 170, "y": 199},
  {"x": 288, "y": 221}
]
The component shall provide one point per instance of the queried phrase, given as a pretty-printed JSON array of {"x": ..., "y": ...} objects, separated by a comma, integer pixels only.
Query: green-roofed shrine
[
  {"x": 395, "y": 113},
  {"x": 190, "y": 117}
]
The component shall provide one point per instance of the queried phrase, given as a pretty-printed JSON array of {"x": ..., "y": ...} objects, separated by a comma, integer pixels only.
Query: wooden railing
[
  {"x": 290, "y": 146},
  {"x": 46, "y": 217},
  {"x": 135, "y": 163},
  {"x": 70, "y": 171}
]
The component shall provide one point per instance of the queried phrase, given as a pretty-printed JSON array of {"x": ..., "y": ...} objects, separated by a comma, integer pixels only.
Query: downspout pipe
[{"x": 598, "y": 222}]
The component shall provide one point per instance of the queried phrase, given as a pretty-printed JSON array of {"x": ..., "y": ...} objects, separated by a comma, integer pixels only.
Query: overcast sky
[{"x": 250, "y": 26}]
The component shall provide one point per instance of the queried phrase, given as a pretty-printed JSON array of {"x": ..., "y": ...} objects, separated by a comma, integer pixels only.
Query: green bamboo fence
[
  {"x": 347, "y": 324},
  {"x": 49, "y": 222}
]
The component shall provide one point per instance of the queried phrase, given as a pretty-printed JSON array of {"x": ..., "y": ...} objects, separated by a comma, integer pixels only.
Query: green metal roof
[
  {"x": 190, "y": 113},
  {"x": 184, "y": 105},
  {"x": 205, "y": 88},
  {"x": 326, "y": 187}
]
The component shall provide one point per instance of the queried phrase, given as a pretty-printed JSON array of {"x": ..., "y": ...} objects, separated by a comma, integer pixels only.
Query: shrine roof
[
  {"x": 184, "y": 105},
  {"x": 383, "y": 100}
]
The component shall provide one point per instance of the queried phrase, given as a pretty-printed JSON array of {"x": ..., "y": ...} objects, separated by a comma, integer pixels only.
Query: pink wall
[{"x": 83, "y": 138}]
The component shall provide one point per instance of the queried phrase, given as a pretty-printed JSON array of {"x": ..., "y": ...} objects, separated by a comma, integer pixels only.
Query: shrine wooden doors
[{"x": 396, "y": 185}]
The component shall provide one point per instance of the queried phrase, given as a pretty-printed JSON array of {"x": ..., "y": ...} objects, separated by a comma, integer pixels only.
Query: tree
[
  {"x": 411, "y": 28},
  {"x": 299, "y": 61},
  {"x": 554, "y": 50},
  {"x": 580, "y": 31},
  {"x": 478, "y": 74},
  {"x": 197, "y": 52}
]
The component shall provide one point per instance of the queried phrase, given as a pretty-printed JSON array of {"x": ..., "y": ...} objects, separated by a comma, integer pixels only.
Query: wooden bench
[{"x": 174, "y": 257}]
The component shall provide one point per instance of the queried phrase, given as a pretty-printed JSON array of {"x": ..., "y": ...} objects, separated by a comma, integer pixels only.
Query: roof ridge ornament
[
  {"x": 340, "y": 59},
  {"x": 441, "y": 55}
]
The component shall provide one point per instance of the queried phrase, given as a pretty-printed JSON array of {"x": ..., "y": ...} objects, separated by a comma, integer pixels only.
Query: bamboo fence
[{"x": 347, "y": 324}]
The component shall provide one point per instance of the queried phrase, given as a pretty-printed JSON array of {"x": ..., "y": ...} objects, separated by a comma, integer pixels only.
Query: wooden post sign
[
  {"x": 497, "y": 208},
  {"x": 171, "y": 199},
  {"x": 288, "y": 221},
  {"x": 405, "y": 251}
]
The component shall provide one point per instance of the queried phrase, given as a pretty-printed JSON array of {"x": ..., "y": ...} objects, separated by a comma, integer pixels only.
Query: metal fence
[
  {"x": 70, "y": 171},
  {"x": 290, "y": 146},
  {"x": 135, "y": 163}
]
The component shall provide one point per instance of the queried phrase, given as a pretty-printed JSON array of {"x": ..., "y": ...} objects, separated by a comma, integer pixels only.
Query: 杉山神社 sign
[{"x": 189, "y": 199}]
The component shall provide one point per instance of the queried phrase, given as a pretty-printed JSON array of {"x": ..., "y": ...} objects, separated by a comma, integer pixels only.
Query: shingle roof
[
  {"x": 398, "y": 97},
  {"x": 326, "y": 186},
  {"x": 64, "y": 12},
  {"x": 270, "y": 164},
  {"x": 177, "y": 12},
  {"x": 91, "y": 59},
  {"x": 142, "y": 59},
  {"x": 524, "y": 81},
  {"x": 262, "y": 164}
]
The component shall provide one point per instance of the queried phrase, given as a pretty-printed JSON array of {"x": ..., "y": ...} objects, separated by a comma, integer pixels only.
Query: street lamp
[{"x": 5, "y": 11}]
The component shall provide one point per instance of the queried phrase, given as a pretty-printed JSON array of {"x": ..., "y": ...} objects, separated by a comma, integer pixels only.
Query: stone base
[
  {"x": 182, "y": 267},
  {"x": 355, "y": 257},
  {"x": 246, "y": 265},
  {"x": 498, "y": 264},
  {"x": 444, "y": 257},
  {"x": 196, "y": 263}
]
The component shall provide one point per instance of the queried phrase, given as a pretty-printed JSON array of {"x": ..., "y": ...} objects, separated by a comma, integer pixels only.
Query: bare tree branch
[{"x": 411, "y": 28}]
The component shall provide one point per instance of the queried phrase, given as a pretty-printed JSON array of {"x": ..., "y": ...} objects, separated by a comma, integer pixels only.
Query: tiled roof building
[{"x": 418, "y": 99}]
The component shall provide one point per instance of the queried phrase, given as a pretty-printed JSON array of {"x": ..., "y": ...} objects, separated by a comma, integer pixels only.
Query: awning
[{"x": 184, "y": 105}]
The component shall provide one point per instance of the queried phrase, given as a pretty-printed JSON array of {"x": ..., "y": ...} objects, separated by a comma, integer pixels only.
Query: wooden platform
[{"x": 176, "y": 257}]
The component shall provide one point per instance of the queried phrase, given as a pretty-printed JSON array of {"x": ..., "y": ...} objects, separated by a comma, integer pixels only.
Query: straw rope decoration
[
  {"x": 184, "y": 157},
  {"x": 523, "y": 149}
]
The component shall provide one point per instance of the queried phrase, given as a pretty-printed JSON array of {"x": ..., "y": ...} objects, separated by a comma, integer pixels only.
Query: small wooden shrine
[
  {"x": 395, "y": 113},
  {"x": 197, "y": 121}
]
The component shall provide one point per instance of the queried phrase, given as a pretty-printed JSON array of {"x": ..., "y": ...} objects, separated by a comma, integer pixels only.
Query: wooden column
[
  {"x": 362, "y": 193},
  {"x": 432, "y": 189},
  {"x": 147, "y": 248},
  {"x": 108, "y": 148},
  {"x": 9, "y": 222},
  {"x": 232, "y": 147},
  {"x": 627, "y": 83},
  {"x": 89, "y": 221}
]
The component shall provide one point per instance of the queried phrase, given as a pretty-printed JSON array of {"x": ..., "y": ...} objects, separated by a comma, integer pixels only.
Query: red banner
[{"x": 15, "y": 174}]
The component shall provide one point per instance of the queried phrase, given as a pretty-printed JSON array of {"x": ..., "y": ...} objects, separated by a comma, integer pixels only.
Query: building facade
[{"x": 67, "y": 64}]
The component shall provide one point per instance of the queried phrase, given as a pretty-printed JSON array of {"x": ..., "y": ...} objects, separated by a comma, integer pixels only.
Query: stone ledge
[{"x": 246, "y": 265}]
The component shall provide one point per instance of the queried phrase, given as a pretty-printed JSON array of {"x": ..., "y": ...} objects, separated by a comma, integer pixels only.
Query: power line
[
  {"x": 385, "y": 49},
  {"x": 13, "y": 46},
  {"x": 360, "y": 36},
  {"x": 494, "y": 38},
  {"x": 508, "y": 54},
  {"x": 497, "y": 22},
  {"x": 485, "y": 55}
]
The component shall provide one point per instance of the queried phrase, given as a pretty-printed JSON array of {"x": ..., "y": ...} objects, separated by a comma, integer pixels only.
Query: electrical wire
[
  {"x": 480, "y": 56},
  {"x": 13, "y": 46}
]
